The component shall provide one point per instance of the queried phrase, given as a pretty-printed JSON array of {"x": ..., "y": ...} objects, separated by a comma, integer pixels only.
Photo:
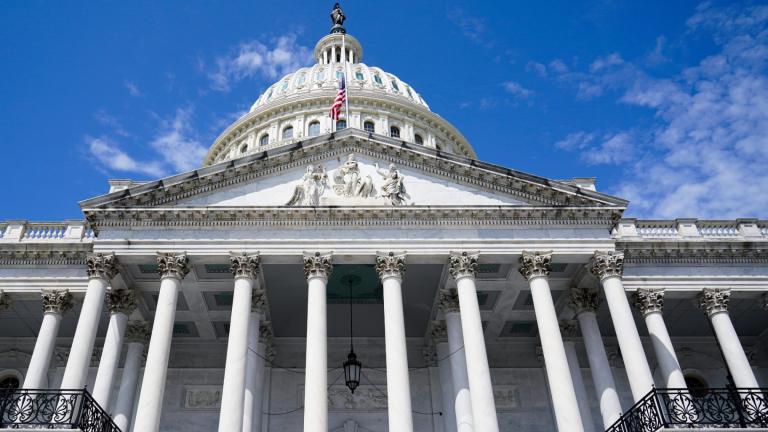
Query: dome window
[
  {"x": 320, "y": 75},
  {"x": 288, "y": 133},
  {"x": 264, "y": 140},
  {"x": 394, "y": 85},
  {"x": 377, "y": 78},
  {"x": 302, "y": 78},
  {"x": 314, "y": 129},
  {"x": 418, "y": 139},
  {"x": 341, "y": 124},
  {"x": 359, "y": 75},
  {"x": 339, "y": 74},
  {"x": 408, "y": 90},
  {"x": 269, "y": 94},
  {"x": 285, "y": 85},
  {"x": 394, "y": 132},
  {"x": 369, "y": 127},
  {"x": 244, "y": 148}
]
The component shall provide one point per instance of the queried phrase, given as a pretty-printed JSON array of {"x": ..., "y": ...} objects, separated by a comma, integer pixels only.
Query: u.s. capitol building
[{"x": 369, "y": 275}]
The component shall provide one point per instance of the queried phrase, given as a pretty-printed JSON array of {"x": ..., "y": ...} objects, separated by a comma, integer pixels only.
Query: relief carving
[
  {"x": 202, "y": 398},
  {"x": 312, "y": 186},
  {"x": 349, "y": 182}
]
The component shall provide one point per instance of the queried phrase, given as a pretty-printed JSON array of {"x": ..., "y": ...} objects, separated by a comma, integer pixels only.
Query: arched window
[
  {"x": 394, "y": 85},
  {"x": 320, "y": 75},
  {"x": 244, "y": 148},
  {"x": 301, "y": 80},
  {"x": 369, "y": 127},
  {"x": 288, "y": 132},
  {"x": 339, "y": 74},
  {"x": 418, "y": 139},
  {"x": 377, "y": 78},
  {"x": 9, "y": 380},
  {"x": 341, "y": 124},
  {"x": 264, "y": 140},
  {"x": 697, "y": 385},
  {"x": 285, "y": 86},
  {"x": 359, "y": 75},
  {"x": 394, "y": 132},
  {"x": 314, "y": 129}
]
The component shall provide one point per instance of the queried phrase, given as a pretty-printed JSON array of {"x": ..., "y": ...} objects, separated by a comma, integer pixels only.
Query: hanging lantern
[{"x": 352, "y": 369}]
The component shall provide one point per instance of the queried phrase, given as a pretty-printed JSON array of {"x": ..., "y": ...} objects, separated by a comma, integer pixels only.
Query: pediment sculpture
[
  {"x": 312, "y": 186},
  {"x": 349, "y": 182},
  {"x": 393, "y": 189}
]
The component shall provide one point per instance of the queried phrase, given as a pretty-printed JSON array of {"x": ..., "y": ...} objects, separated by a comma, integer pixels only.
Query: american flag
[{"x": 341, "y": 96}]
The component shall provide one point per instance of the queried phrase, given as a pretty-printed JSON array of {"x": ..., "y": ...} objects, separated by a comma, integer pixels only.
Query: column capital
[
  {"x": 137, "y": 331},
  {"x": 714, "y": 300},
  {"x": 121, "y": 301},
  {"x": 317, "y": 264},
  {"x": 649, "y": 300},
  {"x": 438, "y": 331},
  {"x": 449, "y": 300},
  {"x": 56, "y": 301},
  {"x": 535, "y": 264},
  {"x": 258, "y": 300},
  {"x": 244, "y": 265},
  {"x": 101, "y": 265},
  {"x": 463, "y": 264},
  {"x": 606, "y": 264},
  {"x": 568, "y": 329},
  {"x": 583, "y": 299},
  {"x": 390, "y": 264},
  {"x": 172, "y": 265},
  {"x": 265, "y": 332},
  {"x": 5, "y": 301}
]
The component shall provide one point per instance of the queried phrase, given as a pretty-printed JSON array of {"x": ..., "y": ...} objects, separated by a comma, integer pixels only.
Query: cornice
[
  {"x": 42, "y": 257},
  {"x": 721, "y": 253}
]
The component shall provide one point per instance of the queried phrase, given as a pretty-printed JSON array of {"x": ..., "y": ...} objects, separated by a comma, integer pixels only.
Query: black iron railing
[
  {"x": 53, "y": 409},
  {"x": 678, "y": 408}
]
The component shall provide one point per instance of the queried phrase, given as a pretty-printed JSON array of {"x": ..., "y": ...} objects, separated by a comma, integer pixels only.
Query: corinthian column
[
  {"x": 650, "y": 303},
  {"x": 245, "y": 269},
  {"x": 55, "y": 304},
  {"x": 172, "y": 269},
  {"x": 317, "y": 268},
  {"x": 463, "y": 268},
  {"x": 568, "y": 330},
  {"x": 120, "y": 304},
  {"x": 608, "y": 267},
  {"x": 714, "y": 302},
  {"x": 584, "y": 303},
  {"x": 136, "y": 336},
  {"x": 259, "y": 334},
  {"x": 535, "y": 269},
  {"x": 391, "y": 267},
  {"x": 101, "y": 268},
  {"x": 461, "y": 399}
]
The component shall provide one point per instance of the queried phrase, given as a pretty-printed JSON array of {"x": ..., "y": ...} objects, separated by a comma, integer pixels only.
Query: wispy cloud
[
  {"x": 706, "y": 154},
  {"x": 132, "y": 88},
  {"x": 252, "y": 59},
  {"x": 109, "y": 154},
  {"x": 517, "y": 90},
  {"x": 595, "y": 149},
  {"x": 177, "y": 143},
  {"x": 473, "y": 28}
]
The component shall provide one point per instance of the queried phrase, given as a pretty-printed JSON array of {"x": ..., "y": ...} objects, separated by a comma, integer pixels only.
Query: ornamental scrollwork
[
  {"x": 121, "y": 301},
  {"x": 265, "y": 332},
  {"x": 438, "y": 331},
  {"x": 449, "y": 300},
  {"x": 607, "y": 264},
  {"x": 317, "y": 264},
  {"x": 649, "y": 300},
  {"x": 100, "y": 265},
  {"x": 137, "y": 331},
  {"x": 463, "y": 264},
  {"x": 714, "y": 300},
  {"x": 244, "y": 265},
  {"x": 56, "y": 301},
  {"x": 389, "y": 264},
  {"x": 172, "y": 265},
  {"x": 258, "y": 300},
  {"x": 535, "y": 264},
  {"x": 583, "y": 300},
  {"x": 568, "y": 329}
]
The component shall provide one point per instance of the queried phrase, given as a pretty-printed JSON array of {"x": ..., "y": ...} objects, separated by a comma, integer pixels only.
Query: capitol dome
[{"x": 296, "y": 107}]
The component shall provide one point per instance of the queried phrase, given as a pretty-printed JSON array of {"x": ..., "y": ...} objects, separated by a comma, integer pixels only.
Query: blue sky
[{"x": 666, "y": 103}]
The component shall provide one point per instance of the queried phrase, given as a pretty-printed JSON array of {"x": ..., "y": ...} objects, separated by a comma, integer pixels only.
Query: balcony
[
  {"x": 724, "y": 408},
  {"x": 33, "y": 409}
]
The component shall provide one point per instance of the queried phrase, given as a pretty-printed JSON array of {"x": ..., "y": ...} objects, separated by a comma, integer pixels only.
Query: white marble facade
[{"x": 486, "y": 299}]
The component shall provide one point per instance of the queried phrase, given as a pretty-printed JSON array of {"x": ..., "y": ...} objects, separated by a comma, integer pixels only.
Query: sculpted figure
[
  {"x": 393, "y": 189},
  {"x": 349, "y": 182},
  {"x": 337, "y": 16},
  {"x": 312, "y": 186}
]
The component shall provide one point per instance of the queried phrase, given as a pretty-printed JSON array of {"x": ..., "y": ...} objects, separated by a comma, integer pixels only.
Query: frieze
[
  {"x": 506, "y": 396},
  {"x": 725, "y": 254},
  {"x": 202, "y": 398},
  {"x": 42, "y": 257}
]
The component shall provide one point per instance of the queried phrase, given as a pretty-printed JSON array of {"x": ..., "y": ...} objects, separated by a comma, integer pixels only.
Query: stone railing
[
  {"x": 44, "y": 232},
  {"x": 691, "y": 229}
]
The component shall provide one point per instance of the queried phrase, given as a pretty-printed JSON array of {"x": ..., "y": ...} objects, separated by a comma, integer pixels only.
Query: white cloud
[
  {"x": 133, "y": 89},
  {"x": 471, "y": 27},
  {"x": 593, "y": 149},
  {"x": 536, "y": 67},
  {"x": 109, "y": 154},
  {"x": 176, "y": 142},
  {"x": 253, "y": 58},
  {"x": 517, "y": 90}
]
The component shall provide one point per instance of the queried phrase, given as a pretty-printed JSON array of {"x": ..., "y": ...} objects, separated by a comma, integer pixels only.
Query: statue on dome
[
  {"x": 312, "y": 186},
  {"x": 349, "y": 182},
  {"x": 338, "y": 17},
  {"x": 393, "y": 189}
]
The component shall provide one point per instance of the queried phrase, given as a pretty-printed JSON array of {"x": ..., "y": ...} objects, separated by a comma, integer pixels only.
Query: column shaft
[
  {"x": 564, "y": 400},
  {"x": 635, "y": 362},
  {"x": 600, "y": 369},
  {"x": 462, "y": 399},
  {"x": 398, "y": 383},
  {"x": 446, "y": 386},
  {"x": 128, "y": 383},
  {"x": 316, "y": 370},
  {"x": 578, "y": 386},
  {"x": 480, "y": 387},
  {"x": 156, "y": 369},
  {"x": 665, "y": 352},
  {"x": 738, "y": 364},
  {"x": 233, "y": 391},
  {"x": 110, "y": 356},
  {"x": 254, "y": 379},
  {"x": 37, "y": 373},
  {"x": 81, "y": 350}
]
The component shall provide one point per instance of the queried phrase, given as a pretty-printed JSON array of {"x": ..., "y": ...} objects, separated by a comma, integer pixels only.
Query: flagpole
[{"x": 346, "y": 81}]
